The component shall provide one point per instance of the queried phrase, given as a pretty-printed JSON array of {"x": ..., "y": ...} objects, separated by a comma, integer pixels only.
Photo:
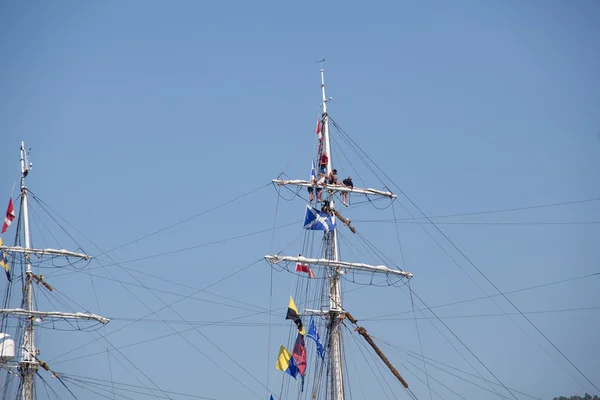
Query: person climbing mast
[
  {"x": 313, "y": 182},
  {"x": 323, "y": 162}
]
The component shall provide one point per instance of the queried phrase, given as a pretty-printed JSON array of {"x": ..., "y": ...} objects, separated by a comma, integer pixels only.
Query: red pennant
[
  {"x": 304, "y": 268},
  {"x": 318, "y": 132},
  {"x": 10, "y": 215}
]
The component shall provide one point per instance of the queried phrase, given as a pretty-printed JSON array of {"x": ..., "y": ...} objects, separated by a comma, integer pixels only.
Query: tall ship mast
[
  {"x": 20, "y": 357},
  {"x": 324, "y": 189}
]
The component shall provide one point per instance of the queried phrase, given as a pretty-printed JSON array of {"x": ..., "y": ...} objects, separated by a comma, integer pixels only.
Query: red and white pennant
[{"x": 10, "y": 215}]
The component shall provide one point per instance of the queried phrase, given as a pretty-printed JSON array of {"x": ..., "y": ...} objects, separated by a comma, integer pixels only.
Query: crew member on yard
[
  {"x": 311, "y": 189},
  {"x": 332, "y": 177},
  {"x": 320, "y": 183},
  {"x": 349, "y": 184}
]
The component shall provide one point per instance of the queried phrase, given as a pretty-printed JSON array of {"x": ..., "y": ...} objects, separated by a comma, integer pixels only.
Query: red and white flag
[
  {"x": 304, "y": 268},
  {"x": 318, "y": 132},
  {"x": 10, "y": 215}
]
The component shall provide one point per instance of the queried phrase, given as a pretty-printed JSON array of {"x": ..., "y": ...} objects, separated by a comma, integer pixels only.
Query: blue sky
[{"x": 144, "y": 114}]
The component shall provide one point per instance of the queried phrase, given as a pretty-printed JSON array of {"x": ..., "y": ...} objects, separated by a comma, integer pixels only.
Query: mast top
[
  {"x": 323, "y": 97},
  {"x": 321, "y": 62},
  {"x": 25, "y": 164}
]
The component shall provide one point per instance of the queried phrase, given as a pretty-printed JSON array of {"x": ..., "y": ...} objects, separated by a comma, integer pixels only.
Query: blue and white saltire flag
[
  {"x": 313, "y": 175},
  {"x": 318, "y": 221},
  {"x": 314, "y": 335}
]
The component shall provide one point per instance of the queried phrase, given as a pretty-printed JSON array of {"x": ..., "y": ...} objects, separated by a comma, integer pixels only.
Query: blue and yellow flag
[
  {"x": 285, "y": 362},
  {"x": 4, "y": 263}
]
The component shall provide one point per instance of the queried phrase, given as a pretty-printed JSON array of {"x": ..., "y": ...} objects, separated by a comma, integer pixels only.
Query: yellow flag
[
  {"x": 292, "y": 313},
  {"x": 4, "y": 263},
  {"x": 283, "y": 361}
]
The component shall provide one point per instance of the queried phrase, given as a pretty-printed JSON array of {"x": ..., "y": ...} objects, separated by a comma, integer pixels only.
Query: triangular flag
[
  {"x": 292, "y": 313},
  {"x": 10, "y": 215},
  {"x": 318, "y": 131}
]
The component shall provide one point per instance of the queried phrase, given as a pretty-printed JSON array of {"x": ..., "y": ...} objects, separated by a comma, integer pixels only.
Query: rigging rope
[
  {"x": 271, "y": 299},
  {"x": 419, "y": 337},
  {"x": 185, "y": 220},
  {"x": 475, "y": 266}
]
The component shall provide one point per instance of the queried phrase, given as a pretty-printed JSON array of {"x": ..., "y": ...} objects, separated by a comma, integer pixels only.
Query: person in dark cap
[
  {"x": 332, "y": 177},
  {"x": 325, "y": 209},
  {"x": 349, "y": 184}
]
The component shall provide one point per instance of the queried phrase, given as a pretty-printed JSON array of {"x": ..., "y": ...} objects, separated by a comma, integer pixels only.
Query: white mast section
[
  {"x": 29, "y": 362},
  {"x": 382, "y": 269},
  {"x": 335, "y": 295}
]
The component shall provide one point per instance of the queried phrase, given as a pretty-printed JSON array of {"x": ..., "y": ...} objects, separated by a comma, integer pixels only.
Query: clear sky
[{"x": 142, "y": 114}]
